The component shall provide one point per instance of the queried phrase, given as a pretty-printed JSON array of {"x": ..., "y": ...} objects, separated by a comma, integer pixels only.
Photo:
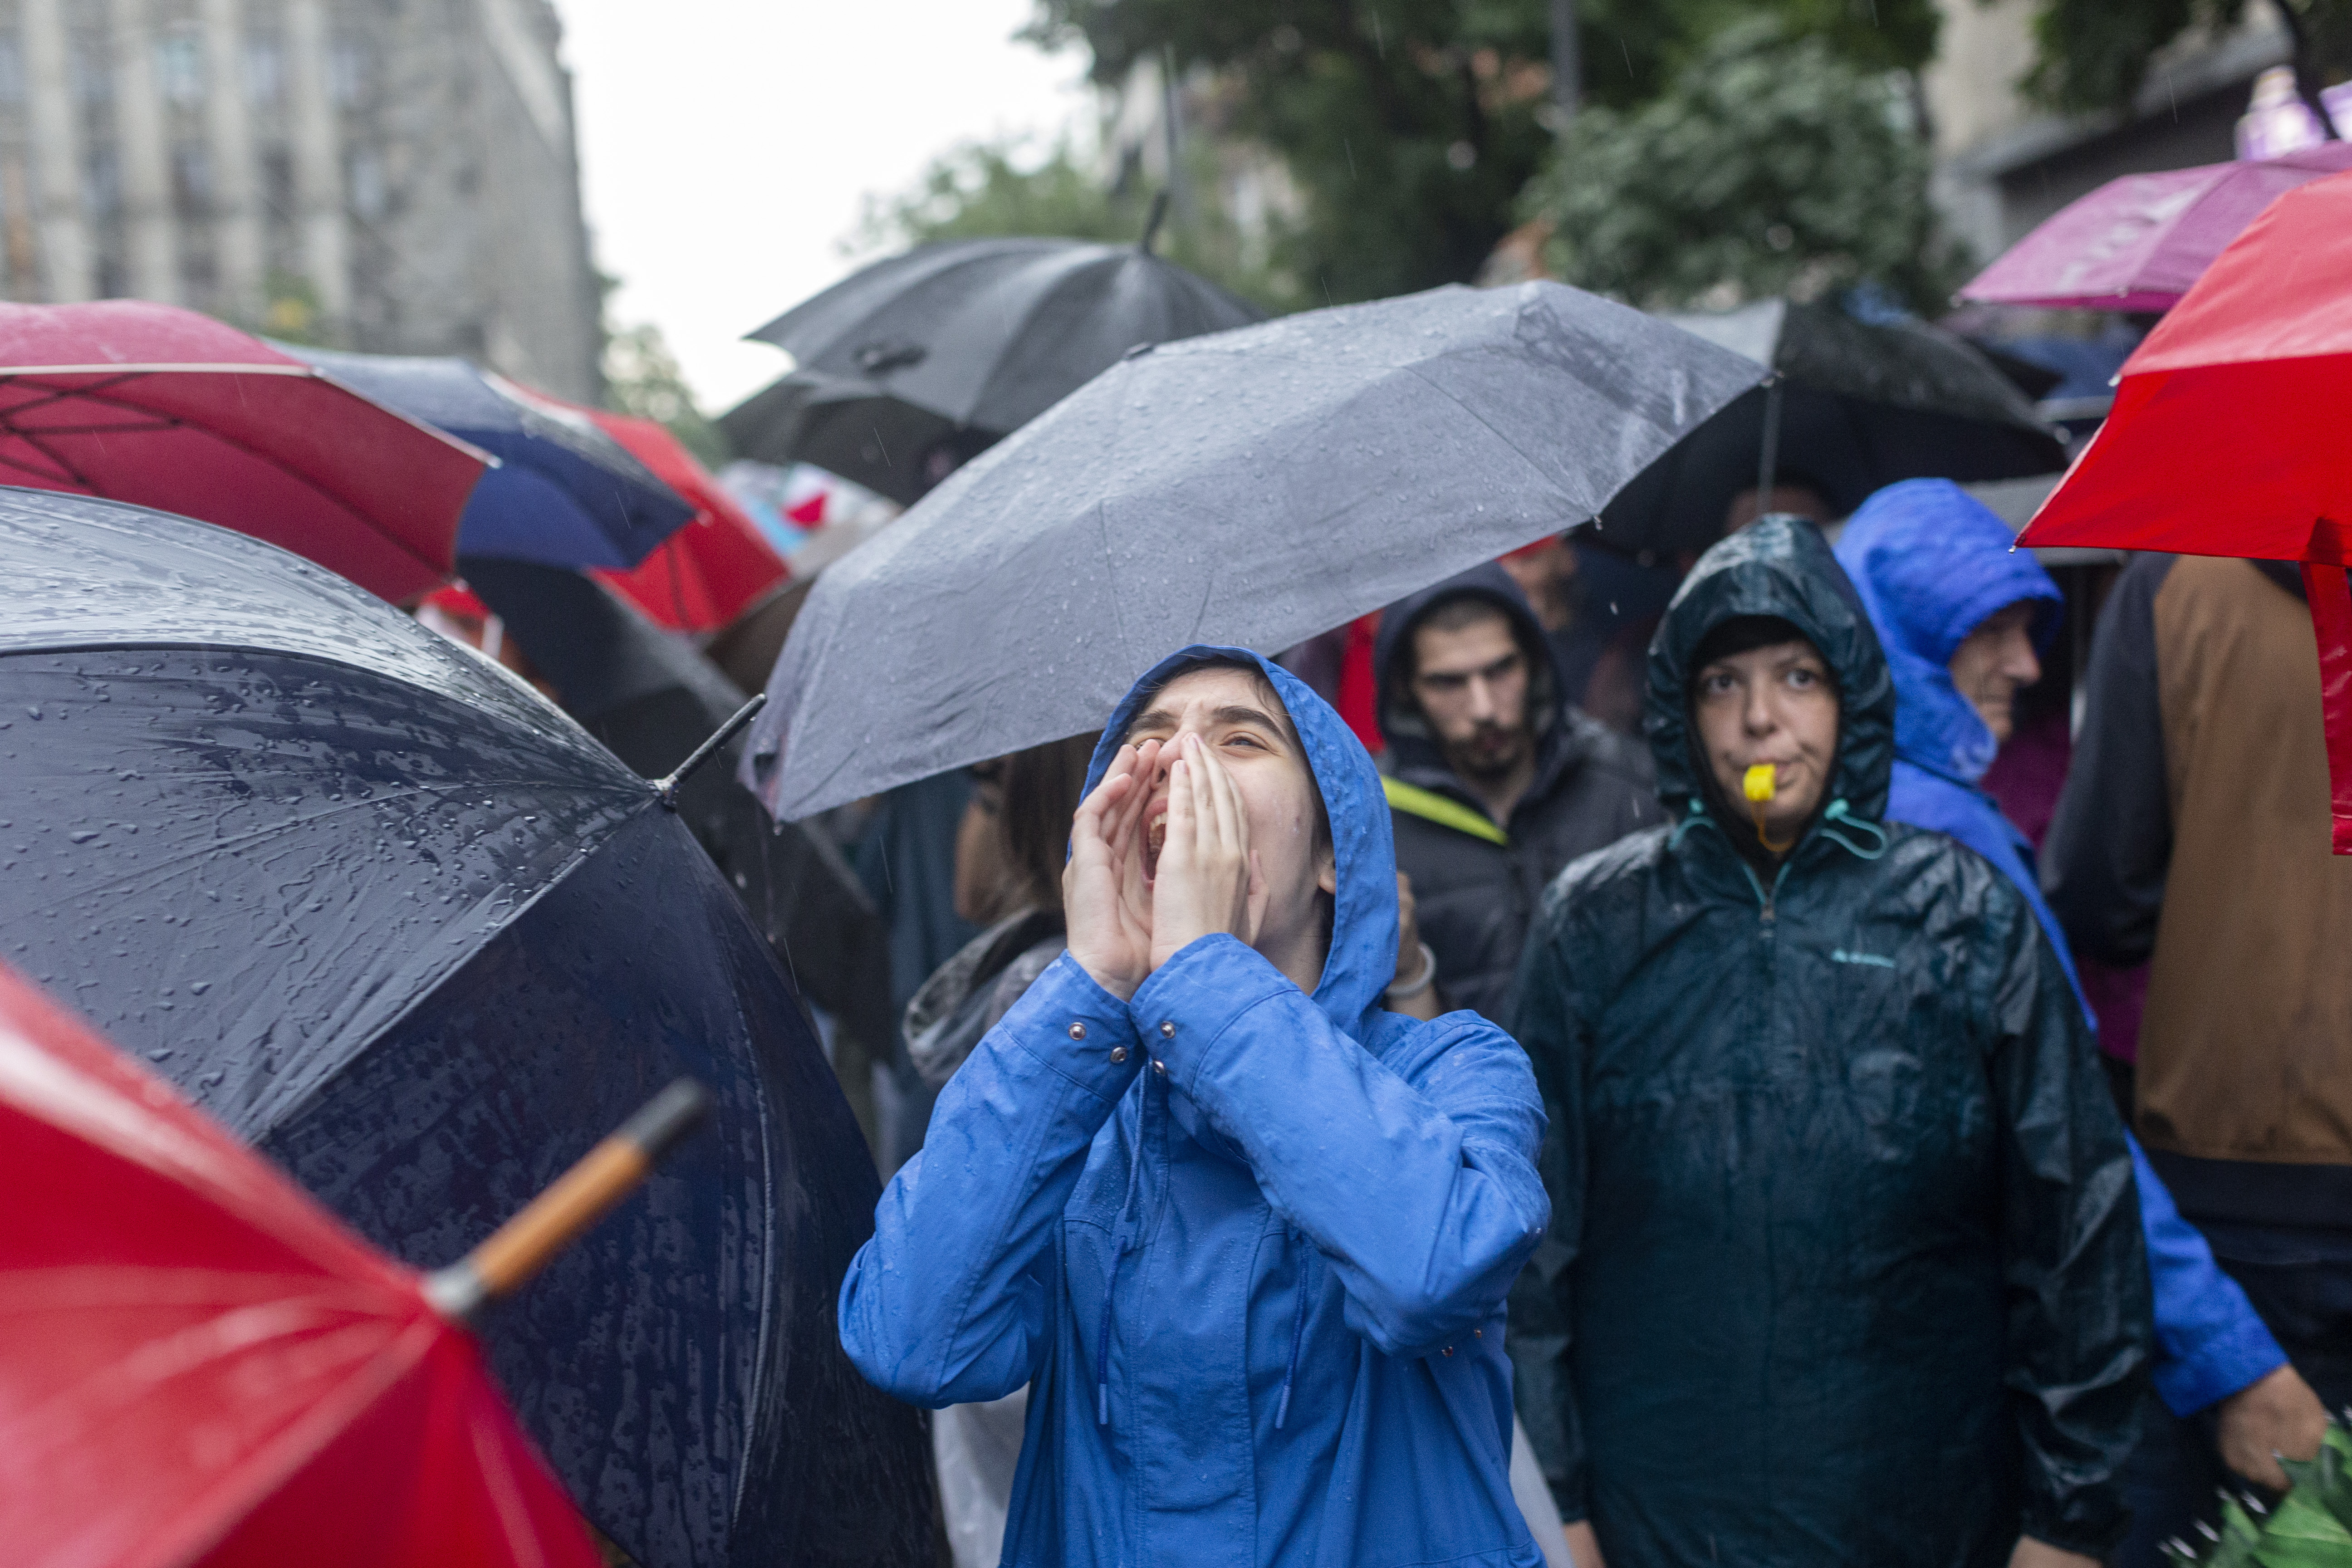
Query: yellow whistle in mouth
[{"x": 1758, "y": 783}]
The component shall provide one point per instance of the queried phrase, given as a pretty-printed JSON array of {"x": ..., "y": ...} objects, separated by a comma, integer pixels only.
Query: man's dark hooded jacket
[
  {"x": 1475, "y": 884},
  {"x": 1844, "y": 1265}
]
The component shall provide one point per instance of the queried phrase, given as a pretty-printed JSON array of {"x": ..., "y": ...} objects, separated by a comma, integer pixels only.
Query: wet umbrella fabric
[
  {"x": 1862, "y": 405},
  {"x": 166, "y": 408},
  {"x": 198, "y": 1365},
  {"x": 1249, "y": 488},
  {"x": 716, "y": 566},
  {"x": 2227, "y": 435},
  {"x": 2138, "y": 242},
  {"x": 409, "y": 930},
  {"x": 652, "y": 699},
  {"x": 992, "y": 332},
  {"x": 565, "y": 492},
  {"x": 853, "y": 428}
]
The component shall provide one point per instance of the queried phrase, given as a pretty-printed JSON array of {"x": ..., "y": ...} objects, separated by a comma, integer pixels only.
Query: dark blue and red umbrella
[{"x": 410, "y": 932}]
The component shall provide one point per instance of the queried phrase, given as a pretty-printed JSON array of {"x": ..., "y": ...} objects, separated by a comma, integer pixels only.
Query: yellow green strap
[{"x": 1431, "y": 806}]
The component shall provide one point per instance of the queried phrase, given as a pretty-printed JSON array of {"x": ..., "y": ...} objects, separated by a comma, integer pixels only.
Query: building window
[
  {"x": 12, "y": 72},
  {"x": 277, "y": 181},
  {"x": 102, "y": 186},
  {"x": 351, "y": 72},
  {"x": 369, "y": 196},
  {"x": 192, "y": 177},
  {"x": 264, "y": 70},
  {"x": 93, "y": 82},
  {"x": 180, "y": 68}
]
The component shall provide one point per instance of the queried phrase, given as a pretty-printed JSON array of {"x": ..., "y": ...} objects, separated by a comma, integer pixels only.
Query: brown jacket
[{"x": 2194, "y": 832}]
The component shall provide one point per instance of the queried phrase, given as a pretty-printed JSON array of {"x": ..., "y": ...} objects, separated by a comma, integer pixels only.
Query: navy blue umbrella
[
  {"x": 564, "y": 494},
  {"x": 377, "y": 906}
]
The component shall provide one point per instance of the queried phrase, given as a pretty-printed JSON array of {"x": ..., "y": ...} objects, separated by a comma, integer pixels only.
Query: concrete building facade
[
  {"x": 2003, "y": 163},
  {"x": 393, "y": 175}
]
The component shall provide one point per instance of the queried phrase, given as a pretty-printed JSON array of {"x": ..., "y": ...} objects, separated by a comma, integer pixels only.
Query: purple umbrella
[{"x": 2138, "y": 243}]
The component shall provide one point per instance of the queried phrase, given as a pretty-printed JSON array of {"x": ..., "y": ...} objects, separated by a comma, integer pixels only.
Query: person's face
[
  {"x": 1775, "y": 704},
  {"x": 1992, "y": 662},
  {"x": 1472, "y": 685},
  {"x": 1247, "y": 731}
]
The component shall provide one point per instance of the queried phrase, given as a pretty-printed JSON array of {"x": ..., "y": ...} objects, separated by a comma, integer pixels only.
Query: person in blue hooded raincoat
[
  {"x": 1844, "y": 1267},
  {"x": 1963, "y": 616},
  {"x": 1245, "y": 1233}
]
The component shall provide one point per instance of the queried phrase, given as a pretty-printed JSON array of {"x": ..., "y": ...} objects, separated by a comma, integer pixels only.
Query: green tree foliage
[
  {"x": 2093, "y": 55},
  {"x": 1770, "y": 165},
  {"x": 986, "y": 188},
  {"x": 642, "y": 377},
  {"x": 1412, "y": 125}
]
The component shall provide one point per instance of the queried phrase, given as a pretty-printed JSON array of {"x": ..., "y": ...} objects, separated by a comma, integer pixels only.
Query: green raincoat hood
[{"x": 1779, "y": 566}]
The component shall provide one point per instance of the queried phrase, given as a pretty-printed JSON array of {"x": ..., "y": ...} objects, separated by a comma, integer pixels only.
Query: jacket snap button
[
  {"x": 1477, "y": 1334},
  {"x": 1167, "y": 1029},
  {"x": 1160, "y": 1066},
  {"x": 1078, "y": 1031},
  {"x": 1118, "y": 1053},
  {"x": 1449, "y": 1350}
]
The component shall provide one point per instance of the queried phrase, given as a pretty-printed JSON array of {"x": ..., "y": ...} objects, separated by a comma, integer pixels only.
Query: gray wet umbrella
[{"x": 1251, "y": 488}]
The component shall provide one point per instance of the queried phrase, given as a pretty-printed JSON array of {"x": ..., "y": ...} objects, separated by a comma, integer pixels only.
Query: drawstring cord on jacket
[
  {"x": 1122, "y": 1237},
  {"x": 1840, "y": 812},
  {"x": 1307, "y": 1261}
]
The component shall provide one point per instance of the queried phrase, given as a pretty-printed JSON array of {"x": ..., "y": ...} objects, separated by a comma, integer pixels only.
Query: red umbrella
[
  {"x": 704, "y": 575},
  {"x": 2228, "y": 435},
  {"x": 172, "y": 410},
  {"x": 200, "y": 1365}
]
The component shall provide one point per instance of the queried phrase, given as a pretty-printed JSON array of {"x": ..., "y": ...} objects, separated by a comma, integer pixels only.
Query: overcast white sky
[{"x": 726, "y": 146}]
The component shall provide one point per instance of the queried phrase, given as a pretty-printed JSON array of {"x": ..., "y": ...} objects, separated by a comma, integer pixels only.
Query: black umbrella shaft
[
  {"x": 1768, "y": 460},
  {"x": 667, "y": 788}
]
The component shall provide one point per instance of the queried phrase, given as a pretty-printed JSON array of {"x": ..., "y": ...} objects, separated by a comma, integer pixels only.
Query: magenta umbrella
[{"x": 2138, "y": 243}]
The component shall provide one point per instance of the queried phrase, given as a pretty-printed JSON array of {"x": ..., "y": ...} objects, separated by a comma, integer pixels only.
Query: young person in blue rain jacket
[
  {"x": 1248, "y": 1235},
  {"x": 1962, "y": 616}
]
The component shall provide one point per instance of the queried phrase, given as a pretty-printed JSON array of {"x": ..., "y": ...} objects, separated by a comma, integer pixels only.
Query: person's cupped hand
[
  {"x": 1106, "y": 895},
  {"x": 1207, "y": 881}
]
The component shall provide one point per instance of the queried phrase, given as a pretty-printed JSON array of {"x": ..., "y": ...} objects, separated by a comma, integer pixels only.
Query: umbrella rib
[
  {"x": 291, "y": 472},
  {"x": 64, "y": 469}
]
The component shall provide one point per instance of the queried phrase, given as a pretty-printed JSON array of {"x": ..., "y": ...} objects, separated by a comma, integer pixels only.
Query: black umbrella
[
  {"x": 1856, "y": 407},
  {"x": 653, "y": 700},
  {"x": 380, "y": 908},
  {"x": 852, "y": 429},
  {"x": 966, "y": 342},
  {"x": 1253, "y": 487}
]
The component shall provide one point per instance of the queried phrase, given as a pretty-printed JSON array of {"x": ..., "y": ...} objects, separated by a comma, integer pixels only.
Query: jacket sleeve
[
  {"x": 1423, "y": 1199},
  {"x": 2209, "y": 1341},
  {"x": 2074, "y": 1262},
  {"x": 2110, "y": 841},
  {"x": 1541, "y": 1333},
  {"x": 950, "y": 1301}
]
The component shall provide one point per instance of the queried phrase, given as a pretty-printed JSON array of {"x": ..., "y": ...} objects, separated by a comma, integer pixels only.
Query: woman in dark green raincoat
[{"x": 1844, "y": 1265}]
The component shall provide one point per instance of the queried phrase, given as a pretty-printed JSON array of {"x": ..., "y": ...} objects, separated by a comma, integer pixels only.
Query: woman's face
[
  {"x": 1994, "y": 662},
  {"x": 1777, "y": 705},
  {"x": 1246, "y": 729}
]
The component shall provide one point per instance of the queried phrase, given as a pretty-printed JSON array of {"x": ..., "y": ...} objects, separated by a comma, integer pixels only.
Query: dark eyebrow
[
  {"x": 1152, "y": 719},
  {"x": 1240, "y": 715}
]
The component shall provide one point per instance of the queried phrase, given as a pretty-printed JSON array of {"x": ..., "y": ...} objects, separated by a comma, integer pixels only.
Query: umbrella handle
[{"x": 578, "y": 1199}]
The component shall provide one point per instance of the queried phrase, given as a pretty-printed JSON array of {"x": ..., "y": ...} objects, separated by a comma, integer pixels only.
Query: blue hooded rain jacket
[
  {"x": 1931, "y": 563},
  {"x": 1257, "y": 1289}
]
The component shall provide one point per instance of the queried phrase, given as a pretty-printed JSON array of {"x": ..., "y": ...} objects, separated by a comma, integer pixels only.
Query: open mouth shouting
[{"x": 1155, "y": 838}]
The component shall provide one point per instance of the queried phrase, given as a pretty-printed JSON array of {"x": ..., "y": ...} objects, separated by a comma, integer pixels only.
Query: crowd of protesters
[{"x": 1714, "y": 1084}]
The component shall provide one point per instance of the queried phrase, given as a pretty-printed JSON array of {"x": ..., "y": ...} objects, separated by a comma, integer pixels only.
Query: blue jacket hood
[
  {"x": 1362, "y": 960},
  {"x": 1931, "y": 562}
]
